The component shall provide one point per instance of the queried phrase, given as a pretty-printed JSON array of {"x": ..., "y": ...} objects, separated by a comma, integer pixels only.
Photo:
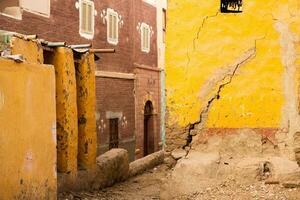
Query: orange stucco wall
[
  {"x": 27, "y": 131},
  {"x": 86, "y": 102}
]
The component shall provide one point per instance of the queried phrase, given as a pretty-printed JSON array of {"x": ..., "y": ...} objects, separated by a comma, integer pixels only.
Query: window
[
  {"x": 11, "y": 8},
  {"x": 113, "y": 133},
  {"x": 112, "y": 26},
  {"x": 40, "y": 7},
  {"x": 231, "y": 6},
  {"x": 164, "y": 24},
  {"x": 151, "y": 2},
  {"x": 86, "y": 12},
  {"x": 145, "y": 37}
]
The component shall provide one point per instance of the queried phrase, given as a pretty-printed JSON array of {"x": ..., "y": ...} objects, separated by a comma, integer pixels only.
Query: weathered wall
[
  {"x": 115, "y": 99},
  {"x": 113, "y": 95},
  {"x": 147, "y": 88},
  {"x": 31, "y": 51},
  {"x": 28, "y": 131},
  {"x": 227, "y": 72},
  {"x": 66, "y": 109},
  {"x": 86, "y": 107}
]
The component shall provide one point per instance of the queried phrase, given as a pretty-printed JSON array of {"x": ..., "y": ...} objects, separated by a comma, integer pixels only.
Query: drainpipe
[{"x": 163, "y": 107}]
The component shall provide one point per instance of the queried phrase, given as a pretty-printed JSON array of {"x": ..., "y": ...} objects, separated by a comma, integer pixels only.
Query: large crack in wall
[
  {"x": 197, "y": 37},
  {"x": 194, "y": 128}
]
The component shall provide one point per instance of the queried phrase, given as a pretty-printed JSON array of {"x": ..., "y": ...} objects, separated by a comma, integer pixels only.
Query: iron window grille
[{"x": 231, "y": 6}]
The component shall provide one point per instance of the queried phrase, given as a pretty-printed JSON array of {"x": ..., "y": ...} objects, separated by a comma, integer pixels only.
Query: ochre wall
[
  {"x": 66, "y": 109},
  {"x": 232, "y": 71},
  {"x": 28, "y": 131},
  {"x": 31, "y": 51},
  {"x": 86, "y": 107}
]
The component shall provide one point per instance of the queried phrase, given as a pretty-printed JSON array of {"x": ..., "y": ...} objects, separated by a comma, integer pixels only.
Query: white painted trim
[
  {"x": 14, "y": 12},
  {"x": 144, "y": 49},
  {"x": 11, "y": 16},
  {"x": 151, "y": 2},
  {"x": 113, "y": 115},
  {"x": 83, "y": 33},
  {"x": 113, "y": 41},
  {"x": 106, "y": 74},
  {"x": 47, "y": 15}
]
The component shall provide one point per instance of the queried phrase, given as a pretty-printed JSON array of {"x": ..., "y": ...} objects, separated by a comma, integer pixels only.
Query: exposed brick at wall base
[
  {"x": 115, "y": 99},
  {"x": 147, "y": 89}
]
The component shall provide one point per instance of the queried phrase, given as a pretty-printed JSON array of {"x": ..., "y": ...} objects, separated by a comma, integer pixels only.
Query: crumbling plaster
[{"x": 237, "y": 71}]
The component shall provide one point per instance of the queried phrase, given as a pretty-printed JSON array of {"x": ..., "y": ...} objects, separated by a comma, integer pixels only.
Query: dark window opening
[
  {"x": 231, "y": 6},
  {"x": 113, "y": 133}
]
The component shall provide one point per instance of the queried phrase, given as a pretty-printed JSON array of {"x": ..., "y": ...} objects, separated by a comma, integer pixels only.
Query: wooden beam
[
  {"x": 105, "y": 74},
  {"x": 102, "y": 50}
]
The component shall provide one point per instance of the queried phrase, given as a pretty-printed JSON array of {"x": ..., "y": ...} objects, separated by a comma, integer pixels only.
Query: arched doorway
[{"x": 148, "y": 129}]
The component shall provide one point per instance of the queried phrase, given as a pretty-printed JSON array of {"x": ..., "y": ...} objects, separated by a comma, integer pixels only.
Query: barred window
[{"x": 231, "y": 6}]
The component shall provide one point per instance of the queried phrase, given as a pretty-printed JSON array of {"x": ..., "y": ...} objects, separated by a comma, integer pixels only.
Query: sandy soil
[
  {"x": 232, "y": 190},
  {"x": 143, "y": 187},
  {"x": 148, "y": 187}
]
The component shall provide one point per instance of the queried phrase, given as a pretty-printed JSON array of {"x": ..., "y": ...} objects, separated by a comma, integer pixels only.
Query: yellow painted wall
[
  {"x": 205, "y": 47},
  {"x": 86, "y": 103},
  {"x": 31, "y": 50},
  {"x": 27, "y": 133},
  {"x": 66, "y": 110}
]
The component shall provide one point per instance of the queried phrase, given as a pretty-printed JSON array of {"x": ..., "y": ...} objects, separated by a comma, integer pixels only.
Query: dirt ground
[
  {"x": 232, "y": 190},
  {"x": 143, "y": 187},
  {"x": 148, "y": 187}
]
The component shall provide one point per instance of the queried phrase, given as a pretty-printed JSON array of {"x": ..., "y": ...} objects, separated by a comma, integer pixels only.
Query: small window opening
[
  {"x": 145, "y": 37},
  {"x": 11, "y": 8},
  {"x": 87, "y": 17},
  {"x": 231, "y": 6},
  {"x": 113, "y": 133},
  {"x": 112, "y": 27}
]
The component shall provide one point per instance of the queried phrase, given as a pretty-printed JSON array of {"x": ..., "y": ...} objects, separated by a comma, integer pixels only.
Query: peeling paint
[{"x": 233, "y": 71}]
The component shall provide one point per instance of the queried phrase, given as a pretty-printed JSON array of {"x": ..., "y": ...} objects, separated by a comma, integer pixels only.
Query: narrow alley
[{"x": 149, "y": 100}]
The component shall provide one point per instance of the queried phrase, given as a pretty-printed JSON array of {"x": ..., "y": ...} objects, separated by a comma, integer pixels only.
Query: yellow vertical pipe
[
  {"x": 86, "y": 104},
  {"x": 66, "y": 110}
]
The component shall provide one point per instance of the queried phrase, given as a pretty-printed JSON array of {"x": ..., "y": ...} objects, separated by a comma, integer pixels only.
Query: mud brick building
[{"x": 127, "y": 81}]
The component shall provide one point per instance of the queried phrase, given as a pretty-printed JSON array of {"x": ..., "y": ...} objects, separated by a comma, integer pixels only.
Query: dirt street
[
  {"x": 145, "y": 186},
  {"x": 148, "y": 187}
]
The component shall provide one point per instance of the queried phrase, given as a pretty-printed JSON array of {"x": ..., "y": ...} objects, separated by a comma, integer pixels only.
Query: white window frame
[
  {"x": 17, "y": 17},
  {"x": 47, "y": 14},
  {"x": 110, "y": 40},
  {"x": 151, "y": 2},
  {"x": 84, "y": 33},
  {"x": 143, "y": 48},
  {"x": 11, "y": 9}
]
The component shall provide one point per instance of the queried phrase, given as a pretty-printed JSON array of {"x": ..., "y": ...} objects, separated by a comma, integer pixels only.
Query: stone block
[
  {"x": 148, "y": 162},
  {"x": 112, "y": 167}
]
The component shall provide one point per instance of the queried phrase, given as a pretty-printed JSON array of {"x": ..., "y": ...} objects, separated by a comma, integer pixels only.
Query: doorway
[
  {"x": 148, "y": 129},
  {"x": 113, "y": 133}
]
